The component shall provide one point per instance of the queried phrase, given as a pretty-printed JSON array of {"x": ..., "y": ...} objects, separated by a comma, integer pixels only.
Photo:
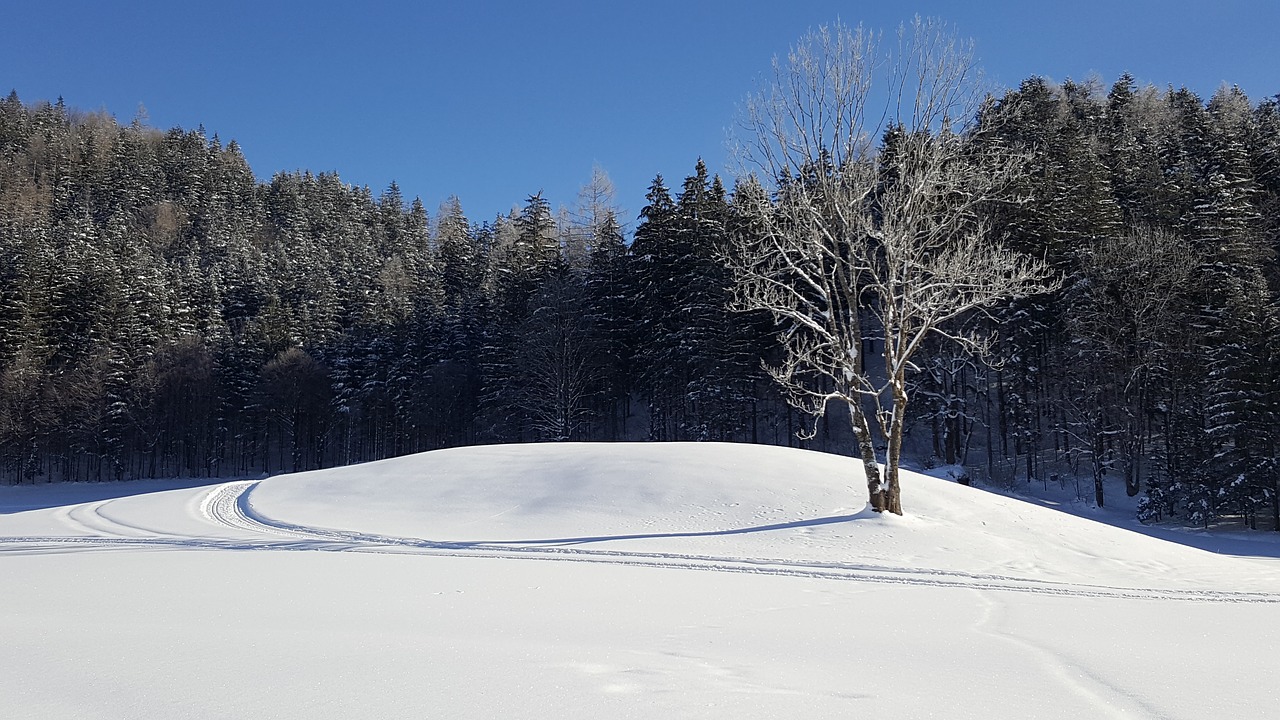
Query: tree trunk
[
  {"x": 1132, "y": 481},
  {"x": 867, "y": 449},
  {"x": 893, "y": 454},
  {"x": 1275, "y": 510},
  {"x": 893, "y": 494},
  {"x": 1098, "y": 470}
]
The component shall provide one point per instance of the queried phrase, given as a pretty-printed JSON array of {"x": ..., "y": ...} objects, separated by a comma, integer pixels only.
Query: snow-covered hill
[{"x": 612, "y": 580}]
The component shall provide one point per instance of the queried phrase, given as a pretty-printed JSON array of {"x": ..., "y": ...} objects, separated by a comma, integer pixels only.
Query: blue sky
[{"x": 493, "y": 101}]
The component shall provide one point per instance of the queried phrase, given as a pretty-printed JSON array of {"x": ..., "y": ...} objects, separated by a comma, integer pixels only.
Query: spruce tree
[
  {"x": 610, "y": 311},
  {"x": 655, "y": 278}
]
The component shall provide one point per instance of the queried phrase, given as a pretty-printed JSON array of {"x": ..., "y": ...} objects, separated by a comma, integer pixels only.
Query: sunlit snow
[{"x": 613, "y": 581}]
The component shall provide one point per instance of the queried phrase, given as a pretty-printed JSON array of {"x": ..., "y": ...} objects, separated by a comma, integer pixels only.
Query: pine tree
[
  {"x": 454, "y": 380},
  {"x": 527, "y": 262},
  {"x": 610, "y": 311},
  {"x": 718, "y": 374},
  {"x": 656, "y": 296}
]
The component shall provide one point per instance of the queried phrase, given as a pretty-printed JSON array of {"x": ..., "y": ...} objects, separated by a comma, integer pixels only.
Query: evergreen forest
[{"x": 163, "y": 312}]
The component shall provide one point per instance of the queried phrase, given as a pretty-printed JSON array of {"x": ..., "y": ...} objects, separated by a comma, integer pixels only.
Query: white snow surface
[{"x": 615, "y": 581}]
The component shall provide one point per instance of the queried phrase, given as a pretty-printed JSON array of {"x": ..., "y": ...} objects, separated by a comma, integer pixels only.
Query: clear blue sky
[{"x": 493, "y": 101}]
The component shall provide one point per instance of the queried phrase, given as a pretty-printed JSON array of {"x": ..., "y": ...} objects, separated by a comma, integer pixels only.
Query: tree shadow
[
  {"x": 1258, "y": 543},
  {"x": 865, "y": 513},
  {"x": 22, "y": 498},
  {"x": 1219, "y": 540}
]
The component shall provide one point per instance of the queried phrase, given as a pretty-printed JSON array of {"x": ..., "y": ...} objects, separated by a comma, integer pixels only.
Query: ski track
[
  {"x": 89, "y": 518},
  {"x": 94, "y": 519},
  {"x": 1109, "y": 700},
  {"x": 227, "y": 506}
]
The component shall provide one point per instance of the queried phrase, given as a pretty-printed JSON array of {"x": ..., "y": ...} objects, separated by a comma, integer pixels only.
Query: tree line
[
  {"x": 163, "y": 312},
  {"x": 1156, "y": 361}
]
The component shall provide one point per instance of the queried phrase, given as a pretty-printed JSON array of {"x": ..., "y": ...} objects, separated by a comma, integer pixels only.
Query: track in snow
[{"x": 227, "y": 506}]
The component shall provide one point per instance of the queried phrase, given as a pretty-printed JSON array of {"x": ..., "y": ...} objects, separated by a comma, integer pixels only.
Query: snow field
[{"x": 628, "y": 581}]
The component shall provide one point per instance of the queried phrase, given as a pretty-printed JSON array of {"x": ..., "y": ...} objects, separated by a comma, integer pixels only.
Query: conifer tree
[
  {"x": 610, "y": 310},
  {"x": 655, "y": 292}
]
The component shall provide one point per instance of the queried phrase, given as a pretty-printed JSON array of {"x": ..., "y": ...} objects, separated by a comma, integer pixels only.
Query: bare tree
[
  {"x": 597, "y": 200},
  {"x": 555, "y": 372},
  {"x": 867, "y": 243},
  {"x": 1127, "y": 315},
  {"x": 580, "y": 227},
  {"x": 294, "y": 391}
]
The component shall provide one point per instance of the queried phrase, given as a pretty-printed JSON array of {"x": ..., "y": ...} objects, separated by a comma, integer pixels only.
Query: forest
[{"x": 165, "y": 313}]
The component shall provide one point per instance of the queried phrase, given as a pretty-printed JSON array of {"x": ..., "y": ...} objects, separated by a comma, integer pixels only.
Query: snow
[{"x": 621, "y": 581}]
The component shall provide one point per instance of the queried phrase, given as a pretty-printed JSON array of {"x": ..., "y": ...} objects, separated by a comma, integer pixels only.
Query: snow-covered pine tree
[
  {"x": 655, "y": 276},
  {"x": 1236, "y": 314},
  {"x": 610, "y": 312}
]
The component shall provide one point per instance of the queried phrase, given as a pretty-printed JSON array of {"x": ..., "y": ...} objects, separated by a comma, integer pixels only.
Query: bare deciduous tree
[
  {"x": 1129, "y": 306},
  {"x": 867, "y": 241},
  {"x": 555, "y": 373}
]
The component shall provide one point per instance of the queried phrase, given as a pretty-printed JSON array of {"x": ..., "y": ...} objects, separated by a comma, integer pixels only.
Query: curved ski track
[{"x": 227, "y": 506}]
